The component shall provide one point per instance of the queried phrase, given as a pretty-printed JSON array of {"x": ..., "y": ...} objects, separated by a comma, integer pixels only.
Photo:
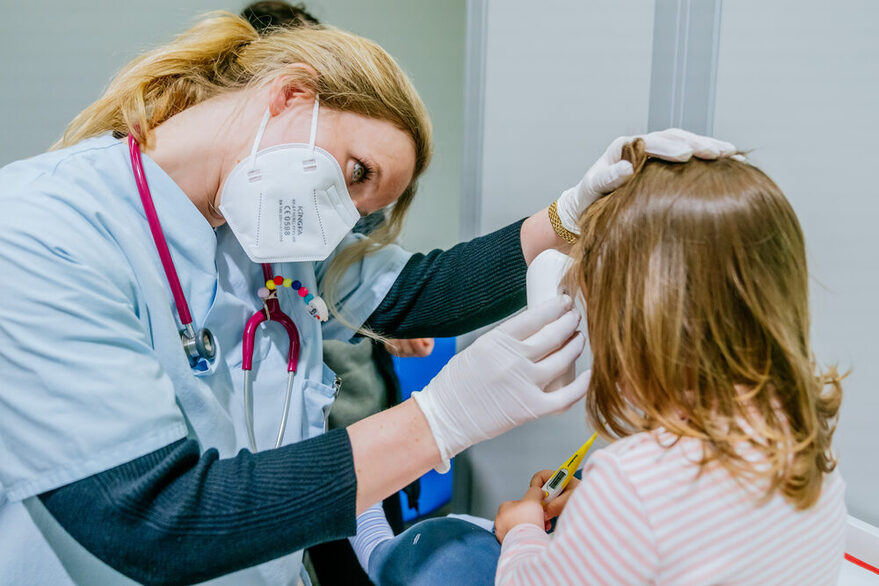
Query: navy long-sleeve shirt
[{"x": 179, "y": 515}]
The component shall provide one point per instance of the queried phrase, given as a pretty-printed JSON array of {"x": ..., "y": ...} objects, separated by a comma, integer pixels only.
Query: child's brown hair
[{"x": 696, "y": 290}]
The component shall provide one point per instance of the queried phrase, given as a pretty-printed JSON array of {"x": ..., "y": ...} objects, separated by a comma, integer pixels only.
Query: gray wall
[
  {"x": 56, "y": 57},
  {"x": 799, "y": 86}
]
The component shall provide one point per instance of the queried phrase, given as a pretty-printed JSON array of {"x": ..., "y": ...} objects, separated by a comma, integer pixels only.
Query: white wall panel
[{"x": 563, "y": 79}]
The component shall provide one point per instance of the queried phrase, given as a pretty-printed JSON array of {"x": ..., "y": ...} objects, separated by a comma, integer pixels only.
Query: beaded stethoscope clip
[{"x": 317, "y": 308}]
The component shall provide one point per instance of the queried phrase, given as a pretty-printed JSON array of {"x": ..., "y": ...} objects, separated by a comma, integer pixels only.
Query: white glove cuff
[
  {"x": 425, "y": 403},
  {"x": 568, "y": 209}
]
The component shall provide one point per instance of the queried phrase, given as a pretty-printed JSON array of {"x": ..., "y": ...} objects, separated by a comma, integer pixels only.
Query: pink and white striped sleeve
[{"x": 602, "y": 537}]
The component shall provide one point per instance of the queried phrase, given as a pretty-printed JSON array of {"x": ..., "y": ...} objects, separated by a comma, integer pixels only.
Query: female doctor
[{"x": 212, "y": 186}]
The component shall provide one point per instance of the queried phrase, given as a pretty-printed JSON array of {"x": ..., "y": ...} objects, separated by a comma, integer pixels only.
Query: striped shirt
[{"x": 644, "y": 515}]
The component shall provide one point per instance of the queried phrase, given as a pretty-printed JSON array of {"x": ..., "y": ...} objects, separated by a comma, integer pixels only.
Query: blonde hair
[
  {"x": 223, "y": 53},
  {"x": 695, "y": 283}
]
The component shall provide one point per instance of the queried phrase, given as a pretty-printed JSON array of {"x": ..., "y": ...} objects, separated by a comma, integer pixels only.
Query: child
[{"x": 695, "y": 283}]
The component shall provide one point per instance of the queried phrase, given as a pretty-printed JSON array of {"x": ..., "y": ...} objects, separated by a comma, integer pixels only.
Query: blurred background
[{"x": 524, "y": 96}]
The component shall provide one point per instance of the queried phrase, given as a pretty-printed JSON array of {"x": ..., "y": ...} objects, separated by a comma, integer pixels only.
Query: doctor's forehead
[{"x": 381, "y": 137}]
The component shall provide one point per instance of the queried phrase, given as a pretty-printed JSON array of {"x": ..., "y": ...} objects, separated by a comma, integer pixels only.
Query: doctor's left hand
[{"x": 498, "y": 382}]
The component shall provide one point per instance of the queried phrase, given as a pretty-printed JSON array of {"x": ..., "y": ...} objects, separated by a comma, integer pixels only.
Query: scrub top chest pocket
[{"x": 319, "y": 398}]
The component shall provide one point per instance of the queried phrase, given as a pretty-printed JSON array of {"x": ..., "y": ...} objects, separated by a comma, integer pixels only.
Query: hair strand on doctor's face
[{"x": 695, "y": 284}]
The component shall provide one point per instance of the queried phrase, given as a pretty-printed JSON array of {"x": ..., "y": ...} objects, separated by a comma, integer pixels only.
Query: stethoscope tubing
[
  {"x": 271, "y": 310},
  {"x": 248, "y": 409},
  {"x": 155, "y": 225}
]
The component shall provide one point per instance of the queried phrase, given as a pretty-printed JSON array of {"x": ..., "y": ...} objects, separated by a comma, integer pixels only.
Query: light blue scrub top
[{"x": 92, "y": 372}]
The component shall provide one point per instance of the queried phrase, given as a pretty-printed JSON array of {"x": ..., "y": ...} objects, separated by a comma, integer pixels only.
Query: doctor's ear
[{"x": 298, "y": 81}]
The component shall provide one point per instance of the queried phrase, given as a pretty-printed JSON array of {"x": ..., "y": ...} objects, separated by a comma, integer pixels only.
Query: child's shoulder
[
  {"x": 655, "y": 442},
  {"x": 654, "y": 448}
]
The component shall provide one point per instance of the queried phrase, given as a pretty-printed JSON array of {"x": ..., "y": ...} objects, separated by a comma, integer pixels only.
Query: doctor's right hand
[
  {"x": 498, "y": 382},
  {"x": 610, "y": 171}
]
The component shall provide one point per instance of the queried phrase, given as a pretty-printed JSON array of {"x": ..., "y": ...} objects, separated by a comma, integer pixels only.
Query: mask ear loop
[
  {"x": 253, "y": 173},
  {"x": 311, "y": 164}
]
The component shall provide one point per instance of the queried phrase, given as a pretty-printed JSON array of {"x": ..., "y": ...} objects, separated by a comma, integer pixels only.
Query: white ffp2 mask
[{"x": 288, "y": 203}]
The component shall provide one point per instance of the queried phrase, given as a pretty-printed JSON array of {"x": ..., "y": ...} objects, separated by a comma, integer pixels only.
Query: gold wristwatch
[{"x": 557, "y": 225}]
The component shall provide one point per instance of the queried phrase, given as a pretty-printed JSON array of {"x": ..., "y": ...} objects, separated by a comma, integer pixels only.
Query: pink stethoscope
[{"x": 199, "y": 346}]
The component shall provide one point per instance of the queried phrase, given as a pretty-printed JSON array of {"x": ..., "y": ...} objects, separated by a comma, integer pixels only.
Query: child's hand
[
  {"x": 416, "y": 347},
  {"x": 554, "y": 508},
  {"x": 531, "y": 508},
  {"x": 512, "y": 513}
]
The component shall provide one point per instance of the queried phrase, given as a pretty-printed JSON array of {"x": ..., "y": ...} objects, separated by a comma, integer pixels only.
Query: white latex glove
[
  {"x": 609, "y": 172},
  {"x": 497, "y": 383}
]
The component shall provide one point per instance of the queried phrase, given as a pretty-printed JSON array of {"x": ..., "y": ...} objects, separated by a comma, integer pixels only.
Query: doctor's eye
[{"x": 361, "y": 172}]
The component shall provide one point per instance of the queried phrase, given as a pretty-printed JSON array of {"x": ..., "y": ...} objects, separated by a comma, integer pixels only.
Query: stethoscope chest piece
[{"x": 198, "y": 345}]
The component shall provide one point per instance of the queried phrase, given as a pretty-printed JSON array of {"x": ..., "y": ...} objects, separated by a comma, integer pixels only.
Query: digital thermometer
[{"x": 558, "y": 481}]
